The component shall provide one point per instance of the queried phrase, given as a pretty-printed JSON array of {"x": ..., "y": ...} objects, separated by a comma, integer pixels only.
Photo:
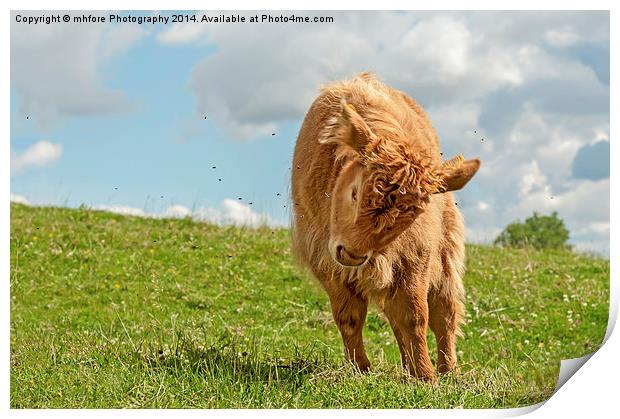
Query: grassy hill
[{"x": 115, "y": 311}]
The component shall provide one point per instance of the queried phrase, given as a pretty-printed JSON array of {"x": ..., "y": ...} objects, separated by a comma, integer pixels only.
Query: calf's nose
[{"x": 347, "y": 258}]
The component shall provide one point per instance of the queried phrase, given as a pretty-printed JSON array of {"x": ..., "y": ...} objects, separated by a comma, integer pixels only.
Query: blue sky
[{"x": 113, "y": 115}]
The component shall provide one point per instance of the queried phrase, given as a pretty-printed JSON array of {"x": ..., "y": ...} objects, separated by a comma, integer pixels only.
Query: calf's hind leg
[
  {"x": 445, "y": 314},
  {"x": 445, "y": 298},
  {"x": 408, "y": 316},
  {"x": 349, "y": 310}
]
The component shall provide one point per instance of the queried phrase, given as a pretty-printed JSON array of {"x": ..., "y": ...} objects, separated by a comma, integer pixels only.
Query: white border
[{"x": 591, "y": 392}]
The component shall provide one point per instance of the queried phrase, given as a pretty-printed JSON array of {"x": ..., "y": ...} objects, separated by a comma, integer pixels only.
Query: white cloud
[
  {"x": 600, "y": 228},
  {"x": 241, "y": 214},
  {"x": 584, "y": 209},
  {"x": 231, "y": 213},
  {"x": 530, "y": 169},
  {"x": 532, "y": 179},
  {"x": 56, "y": 69},
  {"x": 19, "y": 199},
  {"x": 181, "y": 34},
  {"x": 439, "y": 57},
  {"x": 119, "y": 39},
  {"x": 481, "y": 235},
  {"x": 562, "y": 37},
  {"x": 177, "y": 211},
  {"x": 39, "y": 154},
  {"x": 455, "y": 123},
  {"x": 235, "y": 213},
  {"x": 483, "y": 206},
  {"x": 593, "y": 237},
  {"x": 123, "y": 210}
]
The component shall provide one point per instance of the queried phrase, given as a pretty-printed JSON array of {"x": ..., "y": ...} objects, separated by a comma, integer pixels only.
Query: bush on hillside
[{"x": 538, "y": 231}]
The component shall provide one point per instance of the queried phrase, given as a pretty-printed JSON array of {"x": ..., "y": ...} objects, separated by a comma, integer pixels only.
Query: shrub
[{"x": 538, "y": 231}]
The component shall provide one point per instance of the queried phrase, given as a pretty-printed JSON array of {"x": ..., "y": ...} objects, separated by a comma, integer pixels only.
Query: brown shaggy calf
[{"x": 374, "y": 221}]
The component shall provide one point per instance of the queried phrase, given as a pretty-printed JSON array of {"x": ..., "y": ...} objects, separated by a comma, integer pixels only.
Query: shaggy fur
[{"x": 374, "y": 221}]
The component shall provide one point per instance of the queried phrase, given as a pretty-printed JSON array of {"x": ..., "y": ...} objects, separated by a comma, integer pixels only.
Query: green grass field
[{"x": 114, "y": 311}]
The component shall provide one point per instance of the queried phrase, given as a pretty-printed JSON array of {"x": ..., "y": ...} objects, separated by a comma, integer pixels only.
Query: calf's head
[{"x": 383, "y": 184}]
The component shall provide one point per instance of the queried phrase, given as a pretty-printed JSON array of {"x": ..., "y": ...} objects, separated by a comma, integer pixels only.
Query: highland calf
[{"x": 374, "y": 219}]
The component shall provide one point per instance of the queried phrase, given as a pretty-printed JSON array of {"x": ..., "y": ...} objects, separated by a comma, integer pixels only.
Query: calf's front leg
[{"x": 349, "y": 310}]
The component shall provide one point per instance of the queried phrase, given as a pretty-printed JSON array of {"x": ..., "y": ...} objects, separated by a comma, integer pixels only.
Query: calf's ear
[
  {"x": 348, "y": 128},
  {"x": 456, "y": 172}
]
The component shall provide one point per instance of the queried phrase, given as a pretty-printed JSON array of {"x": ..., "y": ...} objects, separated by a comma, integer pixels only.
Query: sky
[{"x": 200, "y": 119}]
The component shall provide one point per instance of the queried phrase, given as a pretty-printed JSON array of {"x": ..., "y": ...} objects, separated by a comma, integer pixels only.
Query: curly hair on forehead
[
  {"x": 379, "y": 140},
  {"x": 394, "y": 168},
  {"x": 398, "y": 183},
  {"x": 399, "y": 179}
]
